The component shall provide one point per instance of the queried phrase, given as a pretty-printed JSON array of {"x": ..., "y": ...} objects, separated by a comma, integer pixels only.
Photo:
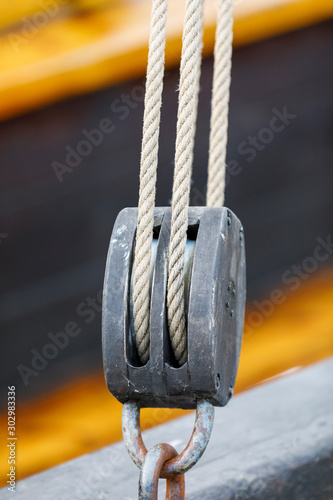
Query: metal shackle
[
  {"x": 191, "y": 454},
  {"x": 150, "y": 473}
]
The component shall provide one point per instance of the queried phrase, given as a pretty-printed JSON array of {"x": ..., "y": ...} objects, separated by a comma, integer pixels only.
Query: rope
[
  {"x": 148, "y": 168},
  {"x": 220, "y": 105},
  {"x": 186, "y": 122}
]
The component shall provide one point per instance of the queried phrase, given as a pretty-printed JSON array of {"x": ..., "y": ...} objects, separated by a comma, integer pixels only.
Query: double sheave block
[{"x": 215, "y": 313}]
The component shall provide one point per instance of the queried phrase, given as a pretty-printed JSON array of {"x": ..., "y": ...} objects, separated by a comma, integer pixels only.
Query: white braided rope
[
  {"x": 220, "y": 105},
  {"x": 148, "y": 168},
  {"x": 186, "y": 124}
]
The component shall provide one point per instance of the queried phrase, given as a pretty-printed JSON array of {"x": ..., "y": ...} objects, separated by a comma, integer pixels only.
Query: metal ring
[
  {"x": 150, "y": 473},
  {"x": 196, "y": 446}
]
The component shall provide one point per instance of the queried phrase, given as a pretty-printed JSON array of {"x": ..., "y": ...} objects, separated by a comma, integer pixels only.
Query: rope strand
[
  {"x": 148, "y": 168},
  {"x": 220, "y": 105},
  {"x": 186, "y": 124}
]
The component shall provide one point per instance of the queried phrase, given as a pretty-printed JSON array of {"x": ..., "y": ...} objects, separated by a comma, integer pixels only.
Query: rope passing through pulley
[
  {"x": 186, "y": 124},
  {"x": 174, "y": 289}
]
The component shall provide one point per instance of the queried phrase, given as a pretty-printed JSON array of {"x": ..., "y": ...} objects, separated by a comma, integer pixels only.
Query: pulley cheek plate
[{"x": 215, "y": 317}]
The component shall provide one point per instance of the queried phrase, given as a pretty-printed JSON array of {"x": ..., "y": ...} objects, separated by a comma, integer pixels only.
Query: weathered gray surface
[{"x": 273, "y": 442}]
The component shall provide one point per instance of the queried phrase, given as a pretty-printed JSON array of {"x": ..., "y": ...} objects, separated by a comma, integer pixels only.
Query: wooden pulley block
[{"x": 215, "y": 304}]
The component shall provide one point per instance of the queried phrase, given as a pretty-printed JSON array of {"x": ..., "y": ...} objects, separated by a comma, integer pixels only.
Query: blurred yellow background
[{"x": 56, "y": 48}]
